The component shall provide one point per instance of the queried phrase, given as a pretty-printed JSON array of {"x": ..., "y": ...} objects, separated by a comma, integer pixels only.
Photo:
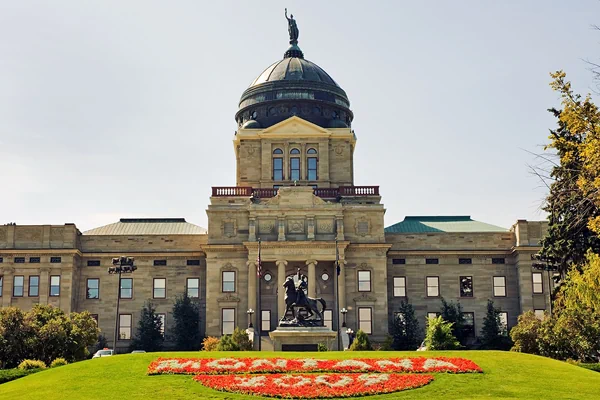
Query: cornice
[
  {"x": 39, "y": 252},
  {"x": 146, "y": 254},
  {"x": 222, "y": 248},
  {"x": 305, "y": 244},
  {"x": 448, "y": 252}
]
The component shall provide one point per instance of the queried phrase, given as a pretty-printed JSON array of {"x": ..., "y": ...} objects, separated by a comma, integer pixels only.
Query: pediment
[{"x": 295, "y": 126}]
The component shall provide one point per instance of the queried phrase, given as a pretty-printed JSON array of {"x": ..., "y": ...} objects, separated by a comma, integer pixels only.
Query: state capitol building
[{"x": 295, "y": 191}]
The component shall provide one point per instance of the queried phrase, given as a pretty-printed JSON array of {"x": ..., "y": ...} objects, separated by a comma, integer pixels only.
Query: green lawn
[{"x": 506, "y": 376}]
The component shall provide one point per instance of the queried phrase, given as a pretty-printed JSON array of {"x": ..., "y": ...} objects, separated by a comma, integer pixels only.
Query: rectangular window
[
  {"x": 18, "y": 282},
  {"x": 1, "y": 284},
  {"x": 95, "y": 318},
  {"x": 55, "y": 260},
  {"x": 469, "y": 326},
  {"x": 465, "y": 261},
  {"x": 93, "y": 288},
  {"x": 126, "y": 288},
  {"x": 294, "y": 169},
  {"x": 498, "y": 260},
  {"x": 432, "y": 315},
  {"x": 193, "y": 262},
  {"x": 278, "y": 169},
  {"x": 500, "y": 286},
  {"x": 538, "y": 286},
  {"x": 539, "y": 313},
  {"x": 228, "y": 281},
  {"x": 432, "y": 261},
  {"x": 399, "y": 286},
  {"x": 34, "y": 286},
  {"x": 364, "y": 281},
  {"x": 265, "y": 321},
  {"x": 228, "y": 320},
  {"x": 311, "y": 163},
  {"x": 160, "y": 263},
  {"x": 19, "y": 260},
  {"x": 34, "y": 260},
  {"x": 365, "y": 322},
  {"x": 433, "y": 286},
  {"x": 328, "y": 319},
  {"x": 503, "y": 316},
  {"x": 398, "y": 261},
  {"x": 159, "y": 288},
  {"x": 193, "y": 287},
  {"x": 1, "y": 259},
  {"x": 163, "y": 323},
  {"x": 466, "y": 286},
  {"x": 93, "y": 263},
  {"x": 124, "y": 326},
  {"x": 55, "y": 285}
]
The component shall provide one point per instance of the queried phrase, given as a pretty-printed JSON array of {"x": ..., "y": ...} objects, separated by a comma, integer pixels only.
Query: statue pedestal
[{"x": 303, "y": 338}]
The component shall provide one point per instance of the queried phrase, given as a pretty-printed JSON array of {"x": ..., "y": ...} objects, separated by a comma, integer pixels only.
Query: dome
[{"x": 294, "y": 86}]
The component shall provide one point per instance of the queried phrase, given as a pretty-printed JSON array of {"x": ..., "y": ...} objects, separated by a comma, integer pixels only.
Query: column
[
  {"x": 339, "y": 222},
  {"x": 252, "y": 230},
  {"x": 281, "y": 264},
  {"x": 7, "y": 286},
  {"x": 312, "y": 279},
  {"x": 252, "y": 288},
  {"x": 310, "y": 219},
  {"x": 281, "y": 229},
  {"x": 342, "y": 285}
]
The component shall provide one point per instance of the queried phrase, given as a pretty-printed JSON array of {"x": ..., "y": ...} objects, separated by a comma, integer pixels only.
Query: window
[
  {"x": 466, "y": 286},
  {"x": 538, "y": 286},
  {"x": 124, "y": 326},
  {"x": 432, "y": 315},
  {"x": 295, "y": 151},
  {"x": 399, "y": 286},
  {"x": 278, "y": 165},
  {"x": 469, "y": 326},
  {"x": 1, "y": 284},
  {"x": 93, "y": 263},
  {"x": 34, "y": 260},
  {"x": 265, "y": 321},
  {"x": 311, "y": 168},
  {"x": 364, "y": 320},
  {"x": 398, "y": 261},
  {"x": 311, "y": 151},
  {"x": 193, "y": 262},
  {"x": 364, "y": 281},
  {"x": 126, "y": 288},
  {"x": 55, "y": 260},
  {"x": 193, "y": 287},
  {"x": 295, "y": 168},
  {"x": 159, "y": 288},
  {"x": 500, "y": 286},
  {"x": 498, "y": 260},
  {"x": 465, "y": 261},
  {"x": 503, "y": 316},
  {"x": 328, "y": 319},
  {"x": 228, "y": 321},
  {"x": 55, "y": 285},
  {"x": 433, "y": 286},
  {"x": 93, "y": 288},
  {"x": 163, "y": 322},
  {"x": 277, "y": 151},
  {"x": 432, "y": 261},
  {"x": 19, "y": 260},
  {"x": 228, "y": 281},
  {"x": 160, "y": 263},
  {"x": 95, "y": 317},
  {"x": 18, "y": 282},
  {"x": 539, "y": 313},
  {"x": 34, "y": 286},
  {"x": 1, "y": 259}
]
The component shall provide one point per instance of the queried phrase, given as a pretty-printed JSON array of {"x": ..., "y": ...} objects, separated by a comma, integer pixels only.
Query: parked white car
[{"x": 103, "y": 353}]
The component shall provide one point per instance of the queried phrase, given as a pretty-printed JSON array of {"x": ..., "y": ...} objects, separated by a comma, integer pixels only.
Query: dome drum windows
[{"x": 300, "y": 166}]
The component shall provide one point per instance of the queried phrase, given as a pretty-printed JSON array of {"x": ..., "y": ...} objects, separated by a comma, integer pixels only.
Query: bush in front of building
[
  {"x": 241, "y": 338},
  {"x": 452, "y": 312},
  {"x": 59, "y": 362},
  {"x": 150, "y": 333},
  {"x": 26, "y": 365},
  {"x": 493, "y": 334},
  {"x": 438, "y": 335},
  {"x": 210, "y": 343},
  {"x": 361, "y": 342},
  {"x": 186, "y": 327},
  {"x": 404, "y": 328},
  {"x": 226, "y": 343},
  {"x": 7, "y": 375}
]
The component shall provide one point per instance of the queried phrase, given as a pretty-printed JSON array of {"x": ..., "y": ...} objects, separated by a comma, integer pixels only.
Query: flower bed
[
  {"x": 212, "y": 366},
  {"x": 311, "y": 386}
]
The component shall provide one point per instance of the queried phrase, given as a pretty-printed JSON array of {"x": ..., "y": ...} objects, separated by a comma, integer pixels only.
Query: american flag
[{"x": 258, "y": 262}]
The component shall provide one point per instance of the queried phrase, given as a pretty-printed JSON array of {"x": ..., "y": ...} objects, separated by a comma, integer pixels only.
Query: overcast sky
[{"x": 114, "y": 109}]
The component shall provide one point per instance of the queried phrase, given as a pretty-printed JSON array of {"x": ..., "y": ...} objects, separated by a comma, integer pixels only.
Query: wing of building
[{"x": 295, "y": 193}]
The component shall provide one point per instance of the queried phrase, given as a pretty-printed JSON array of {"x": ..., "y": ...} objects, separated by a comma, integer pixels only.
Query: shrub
[
  {"x": 227, "y": 344},
  {"x": 32, "y": 364},
  {"x": 210, "y": 343},
  {"x": 7, "y": 375},
  {"x": 493, "y": 335},
  {"x": 58, "y": 362},
  {"x": 387, "y": 344},
  {"x": 361, "y": 342},
  {"x": 525, "y": 334},
  {"x": 322, "y": 347},
  {"x": 405, "y": 328},
  {"x": 439, "y": 335},
  {"x": 241, "y": 339},
  {"x": 452, "y": 313}
]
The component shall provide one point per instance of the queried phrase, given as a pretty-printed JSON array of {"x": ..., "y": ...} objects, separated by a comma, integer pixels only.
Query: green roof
[
  {"x": 148, "y": 226},
  {"x": 456, "y": 224}
]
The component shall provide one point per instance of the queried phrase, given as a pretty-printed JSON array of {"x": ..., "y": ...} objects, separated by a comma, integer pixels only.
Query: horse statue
[{"x": 295, "y": 297}]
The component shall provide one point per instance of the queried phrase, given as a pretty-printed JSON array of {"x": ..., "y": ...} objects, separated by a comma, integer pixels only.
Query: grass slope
[{"x": 506, "y": 376}]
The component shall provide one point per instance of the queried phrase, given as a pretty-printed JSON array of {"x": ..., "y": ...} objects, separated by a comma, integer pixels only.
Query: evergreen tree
[
  {"x": 186, "y": 329},
  {"x": 227, "y": 344},
  {"x": 439, "y": 335},
  {"x": 493, "y": 334},
  {"x": 361, "y": 342},
  {"x": 405, "y": 328},
  {"x": 149, "y": 336},
  {"x": 240, "y": 337},
  {"x": 451, "y": 312}
]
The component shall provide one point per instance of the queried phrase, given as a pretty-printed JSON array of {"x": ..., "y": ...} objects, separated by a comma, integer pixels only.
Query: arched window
[
  {"x": 295, "y": 165},
  {"x": 311, "y": 151},
  {"x": 311, "y": 165},
  {"x": 277, "y": 165}
]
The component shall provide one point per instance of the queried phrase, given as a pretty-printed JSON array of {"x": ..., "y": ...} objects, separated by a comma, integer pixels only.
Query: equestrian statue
[{"x": 296, "y": 298}]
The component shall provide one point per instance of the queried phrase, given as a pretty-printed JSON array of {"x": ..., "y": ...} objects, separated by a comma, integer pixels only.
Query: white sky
[{"x": 114, "y": 109}]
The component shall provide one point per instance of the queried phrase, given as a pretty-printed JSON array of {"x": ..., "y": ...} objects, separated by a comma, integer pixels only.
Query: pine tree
[
  {"x": 149, "y": 336},
  {"x": 493, "y": 336},
  {"x": 405, "y": 328},
  {"x": 361, "y": 342},
  {"x": 186, "y": 329},
  {"x": 451, "y": 312}
]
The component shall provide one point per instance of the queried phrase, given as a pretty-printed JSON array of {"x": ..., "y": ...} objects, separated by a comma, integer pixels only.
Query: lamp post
[
  {"x": 120, "y": 265},
  {"x": 344, "y": 311},
  {"x": 250, "y": 312}
]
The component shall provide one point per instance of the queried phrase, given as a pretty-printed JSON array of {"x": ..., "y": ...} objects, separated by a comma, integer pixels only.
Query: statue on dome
[{"x": 292, "y": 28}]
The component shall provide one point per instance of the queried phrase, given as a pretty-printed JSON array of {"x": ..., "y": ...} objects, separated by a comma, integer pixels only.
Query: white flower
[
  {"x": 308, "y": 363},
  {"x": 373, "y": 379},
  {"x": 433, "y": 363},
  {"x": 277, "y": 363},
  {"x": 251, "y": 382},
  {"x": 353, "y": 363},
  {"x": 168, "y": 364},
  {"x": 405, "y": 363},
  {"x": 342, "y": 381},
  {"x": 226, "y": 363},
  {"x": 291, "y": 381}
]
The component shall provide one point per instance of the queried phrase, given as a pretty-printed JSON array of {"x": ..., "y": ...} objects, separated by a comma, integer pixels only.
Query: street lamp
[
  {"x": 250, "y": 312},
  {"x": 120, "y": 265},
  {"x": 344, "y": 311}
]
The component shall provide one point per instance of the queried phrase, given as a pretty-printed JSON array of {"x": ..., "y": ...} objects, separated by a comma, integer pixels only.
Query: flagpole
[
  {"x": 336, "y": 292},
  {"x": 259, "y": 311}
]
